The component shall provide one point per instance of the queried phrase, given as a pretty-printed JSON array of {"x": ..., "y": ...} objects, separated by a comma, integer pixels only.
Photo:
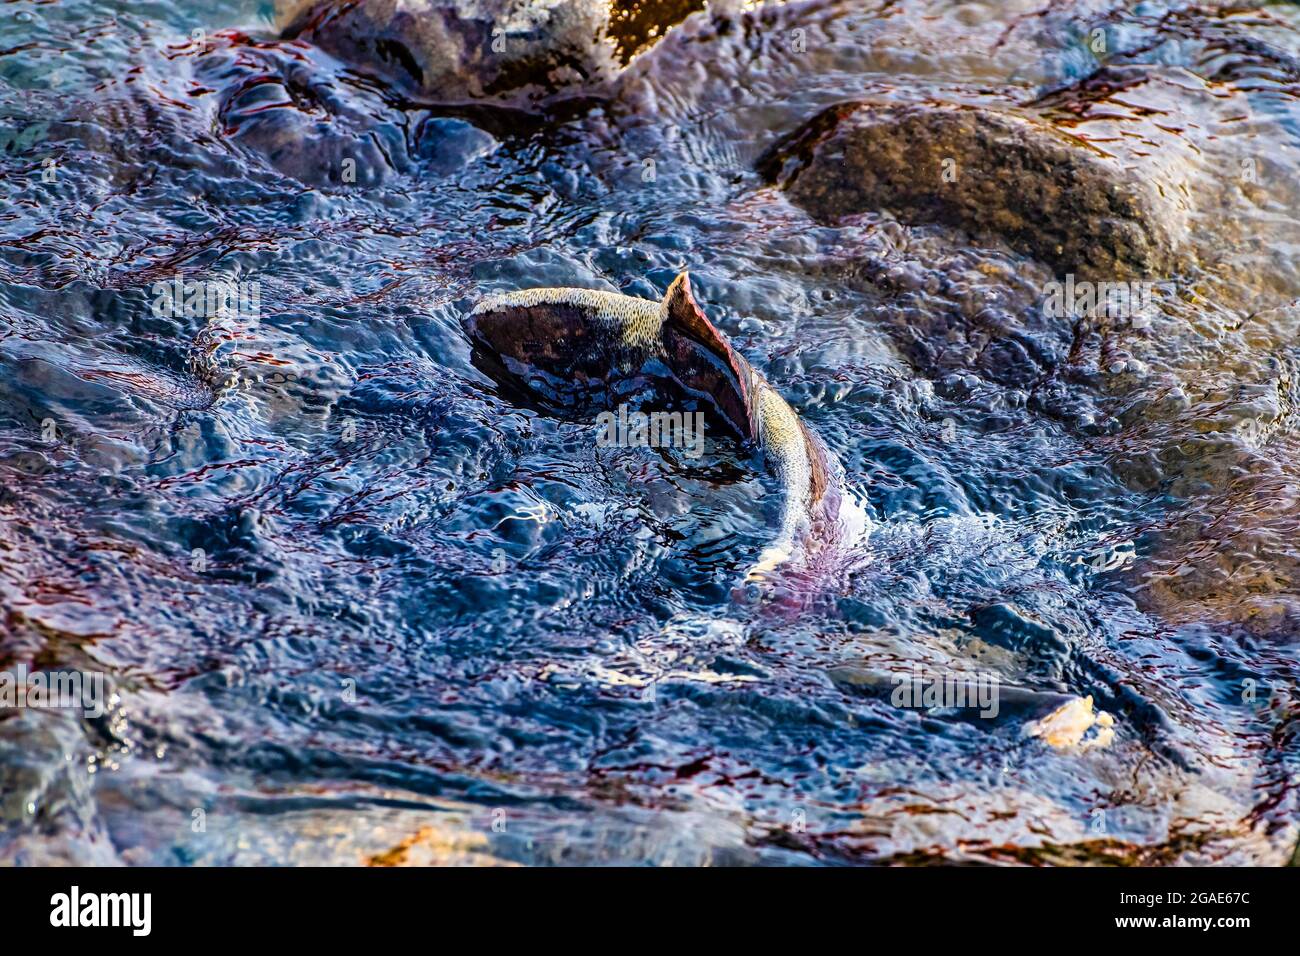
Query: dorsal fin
[{"x": 703, "y": 361}]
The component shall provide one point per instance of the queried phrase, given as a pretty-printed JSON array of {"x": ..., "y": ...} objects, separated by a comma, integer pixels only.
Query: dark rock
[
  {"x": 457, "y": 50},
  {"x": 446, "y": 145},
  {"x": 301, "y": 118}
]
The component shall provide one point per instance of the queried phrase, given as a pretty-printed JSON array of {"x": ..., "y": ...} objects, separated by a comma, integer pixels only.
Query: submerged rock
[
  {"x": 1056, "y": 197},
  {"x": 296, "y": 115},
  {"x": 448, "y": 145},
  {"x": 463, "y": 49}
]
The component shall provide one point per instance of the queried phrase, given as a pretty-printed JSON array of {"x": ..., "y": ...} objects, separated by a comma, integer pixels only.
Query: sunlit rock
[{"x": 1072, "y": 725}]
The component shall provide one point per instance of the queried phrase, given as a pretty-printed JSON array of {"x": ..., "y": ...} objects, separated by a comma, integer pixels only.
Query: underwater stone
[
  {"x": 463, "y": 49},
  {"x": 447, "y": 145},
  {"x": 1047, "y": 193}
]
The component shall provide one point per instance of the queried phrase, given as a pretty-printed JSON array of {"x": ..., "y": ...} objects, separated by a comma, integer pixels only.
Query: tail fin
[{"x": 703, "y": 361}]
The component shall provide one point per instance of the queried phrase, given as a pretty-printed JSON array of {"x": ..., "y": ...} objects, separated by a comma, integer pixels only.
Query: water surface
[{"x": 356, "y": 604}]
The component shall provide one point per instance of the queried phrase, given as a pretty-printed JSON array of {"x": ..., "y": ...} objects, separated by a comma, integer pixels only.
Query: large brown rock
[
  {"x": 463, "y": 49},
  {"x": 1054, "y": 196}
]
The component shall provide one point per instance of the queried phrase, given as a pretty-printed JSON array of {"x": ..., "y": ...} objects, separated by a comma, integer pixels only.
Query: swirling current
[{"x": 355, "y": 602}]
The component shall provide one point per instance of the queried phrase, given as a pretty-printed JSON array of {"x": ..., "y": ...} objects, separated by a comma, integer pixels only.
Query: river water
[{"x": 355, "y": 603}]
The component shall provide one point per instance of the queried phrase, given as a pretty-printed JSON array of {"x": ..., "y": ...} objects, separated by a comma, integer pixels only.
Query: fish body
[{"x": 586, "y": 335}]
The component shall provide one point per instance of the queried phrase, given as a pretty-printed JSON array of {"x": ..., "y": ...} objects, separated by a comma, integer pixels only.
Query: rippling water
[{"x": 356, "y": 604}]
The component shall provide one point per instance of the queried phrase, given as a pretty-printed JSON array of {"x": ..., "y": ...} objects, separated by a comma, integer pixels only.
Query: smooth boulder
[{"x": 1053, "y": 196}]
